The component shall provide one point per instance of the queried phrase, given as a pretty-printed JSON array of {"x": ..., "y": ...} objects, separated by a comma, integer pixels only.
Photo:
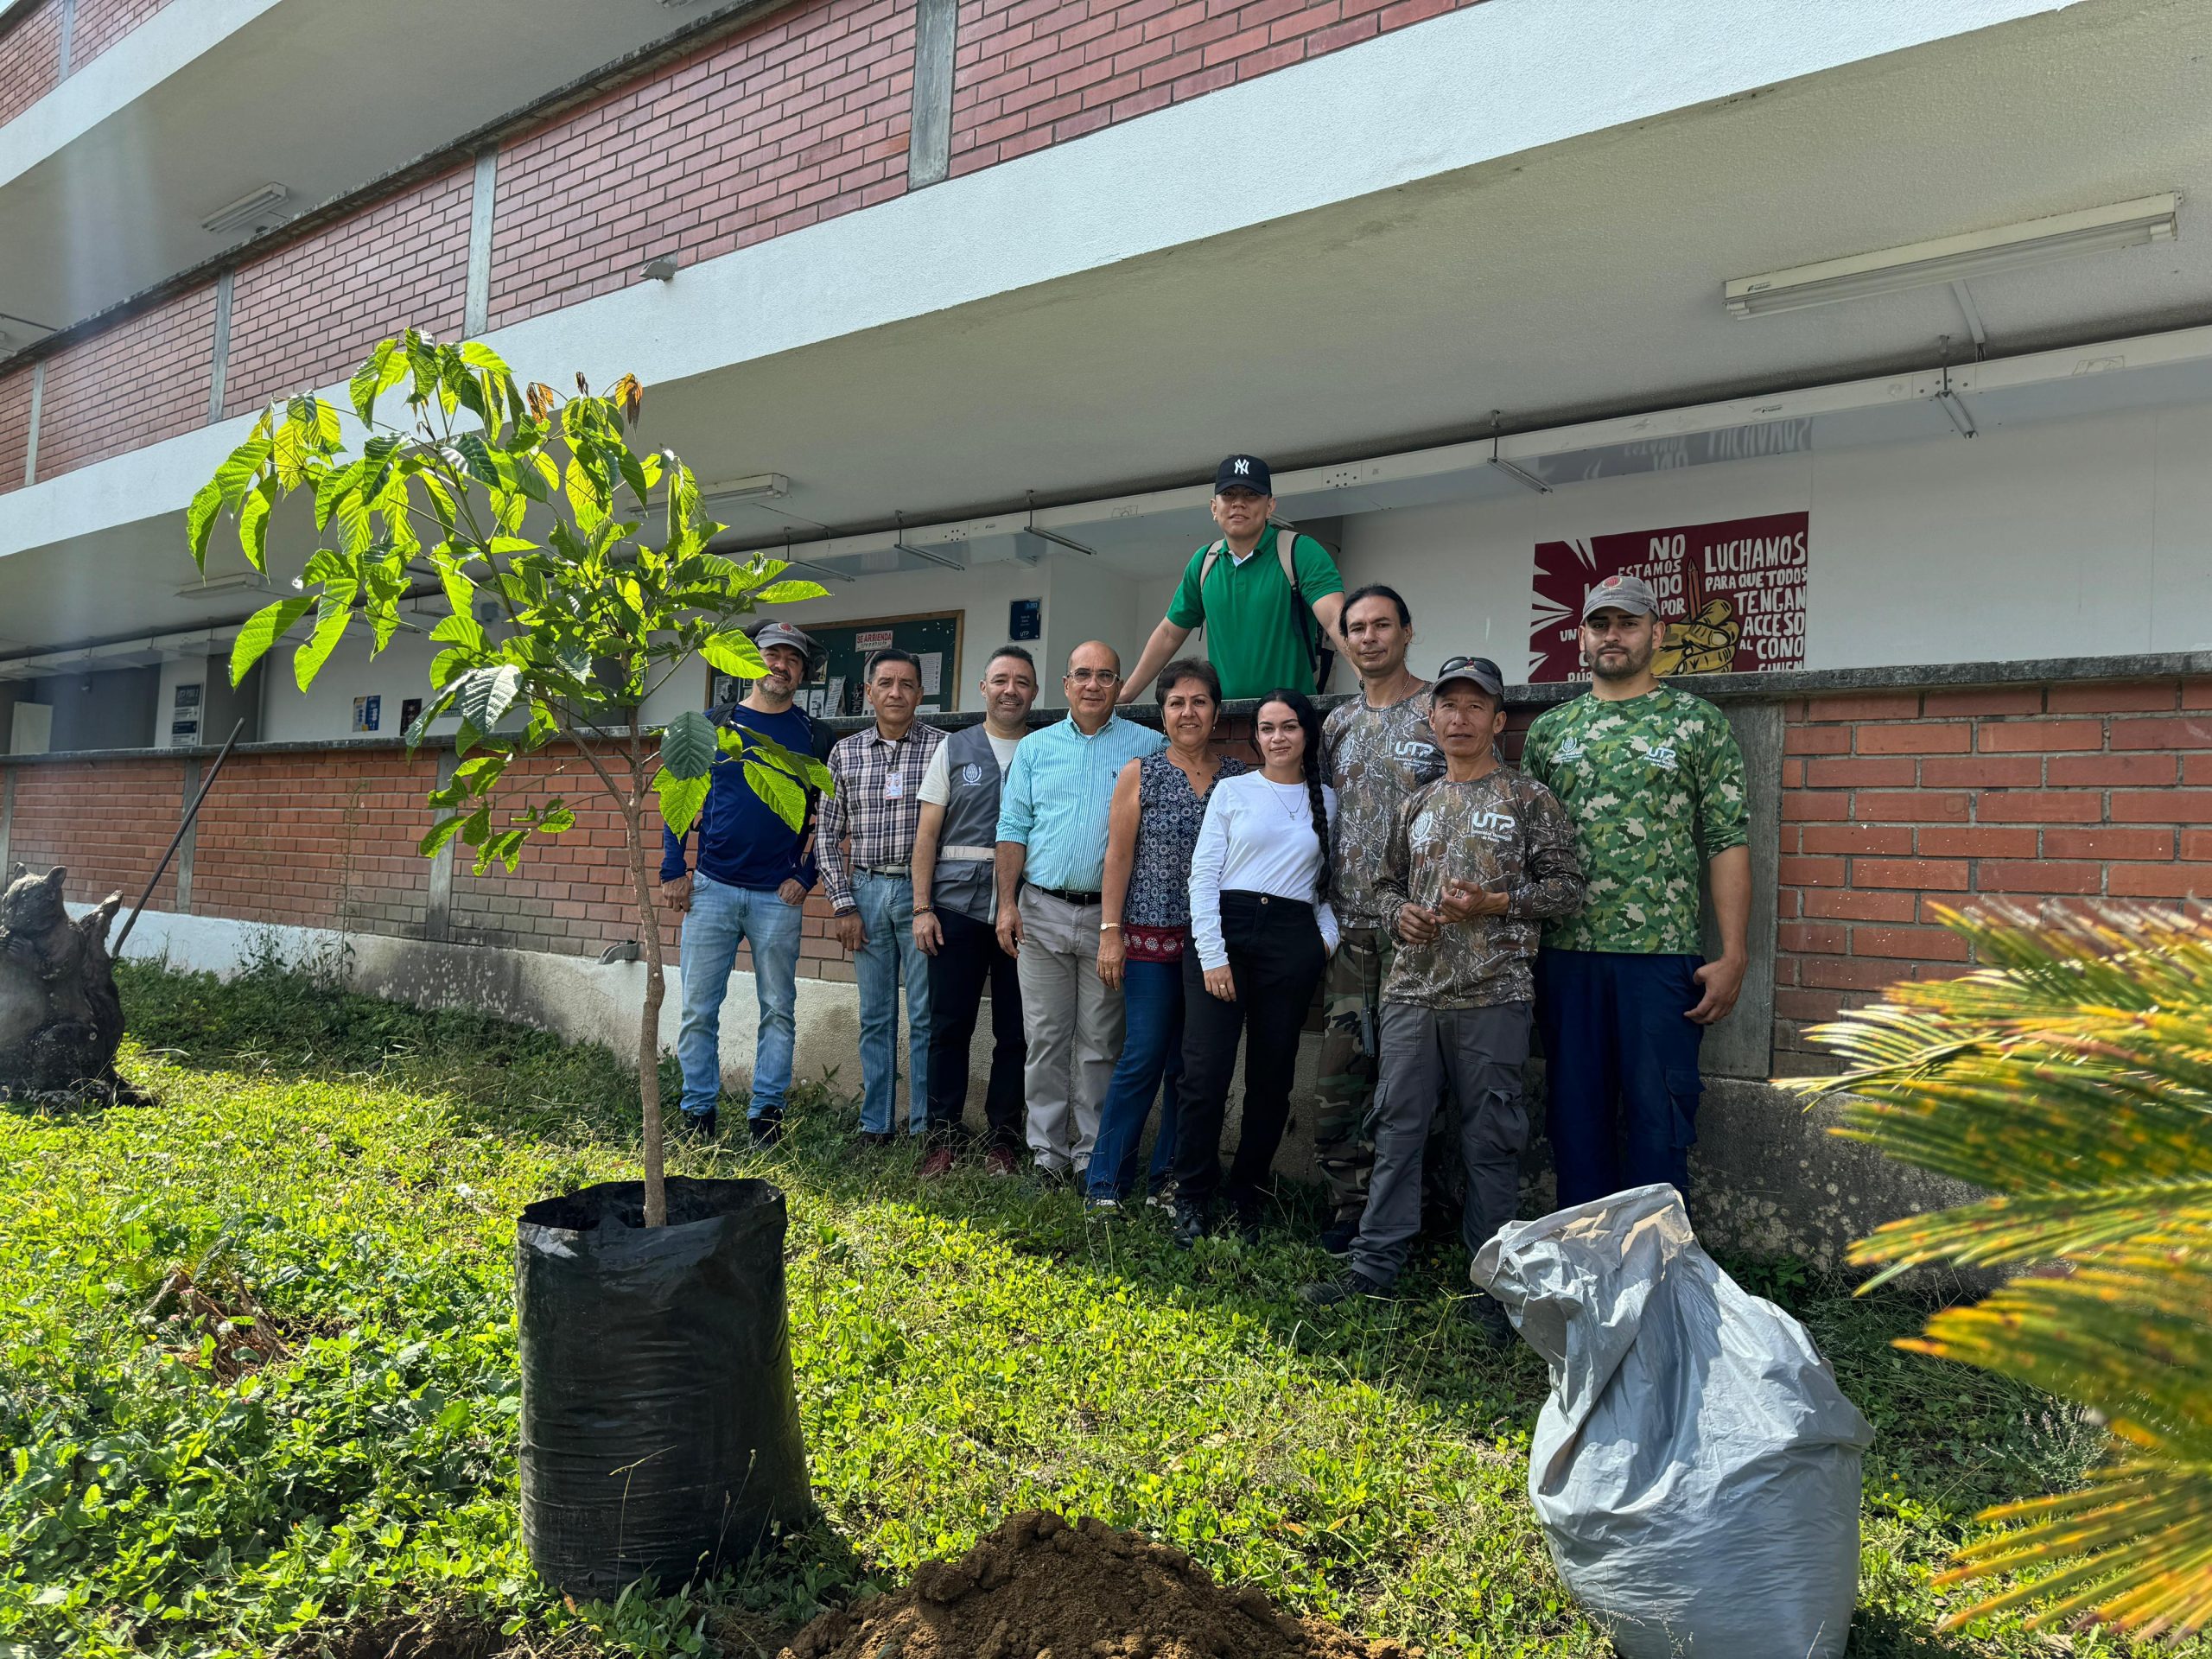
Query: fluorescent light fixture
[
  {"x": 255, "y": 210},
  {"x": 245, "y": 582},
  {"x": 927, "y": 557},
  {"x": 1957, "y": 259},
  {"x": 761, "y": 486}
]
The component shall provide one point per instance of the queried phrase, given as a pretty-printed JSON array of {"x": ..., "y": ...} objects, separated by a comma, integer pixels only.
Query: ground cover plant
[{"x": 258, "y": 1362}]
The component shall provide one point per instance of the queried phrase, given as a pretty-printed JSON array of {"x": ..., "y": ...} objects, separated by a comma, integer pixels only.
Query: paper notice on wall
[
  {"x": 932, "y": 672},
  {"x": 1732, "y": 594},
  {"x": 833, "y": 699},
  {"x": 872, "y": 639}
]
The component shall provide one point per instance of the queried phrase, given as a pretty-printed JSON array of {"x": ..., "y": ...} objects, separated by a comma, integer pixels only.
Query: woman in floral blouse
[{"x": 1158, "y": 805}]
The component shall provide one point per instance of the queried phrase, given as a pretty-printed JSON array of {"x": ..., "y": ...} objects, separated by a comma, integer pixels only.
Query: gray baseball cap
[
  {"x": 1478, "y": 671},
  {"x": 1629, "y": 593},
  {"x": 782, "y": 633}
]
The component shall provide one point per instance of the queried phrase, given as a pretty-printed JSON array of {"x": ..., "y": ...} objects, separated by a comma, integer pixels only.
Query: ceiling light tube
[
  {"x": 254, "y": 208},
  {"x": 1957, "y": 259}
]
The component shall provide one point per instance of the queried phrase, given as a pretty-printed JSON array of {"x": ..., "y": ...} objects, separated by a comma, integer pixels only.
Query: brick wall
[
  {"x": 14, "y": 426},
  {"x": 1894, "y": 802},
  {"x": 799, "y": 119},
  {"x": 1032, "y": 72},
  {"x": 316, "y": 838},
  {"x": 106, "y": 820},
  {"x": 144, "y": 380},
  {"x": 308, "y": 313},
  {"x": 30, "y": 58},
  {"x": 100, "y": 23}
]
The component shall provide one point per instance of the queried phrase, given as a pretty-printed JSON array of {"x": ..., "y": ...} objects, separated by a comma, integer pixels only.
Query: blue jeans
[
  {"x": 1152, "y": 1059},
  {"x": 886, "y": 907},
  {"x": 720, "y": 919},
  {"x": 1620, "y": 1069}
]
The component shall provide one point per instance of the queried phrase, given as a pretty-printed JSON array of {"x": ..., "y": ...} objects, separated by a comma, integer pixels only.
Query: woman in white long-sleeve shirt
[{"x": 1260, "y": 934}]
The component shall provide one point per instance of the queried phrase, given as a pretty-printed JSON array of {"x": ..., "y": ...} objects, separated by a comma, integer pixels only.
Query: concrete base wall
[{"x": 1769, "y": 1179}]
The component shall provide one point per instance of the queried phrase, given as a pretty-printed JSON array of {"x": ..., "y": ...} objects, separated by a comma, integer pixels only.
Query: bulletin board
[{"x": 842, "y": 650}]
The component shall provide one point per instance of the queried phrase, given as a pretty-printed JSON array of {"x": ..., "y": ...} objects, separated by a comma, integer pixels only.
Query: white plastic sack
[{"x": 1696, "y": 1468}]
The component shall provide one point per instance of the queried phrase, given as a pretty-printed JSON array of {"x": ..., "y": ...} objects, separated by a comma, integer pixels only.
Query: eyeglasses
[{"x": 1094, "y": 676}]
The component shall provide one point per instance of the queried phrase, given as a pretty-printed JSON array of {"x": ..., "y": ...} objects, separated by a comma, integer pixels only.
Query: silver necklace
[{"x": 1300, "y": 813}]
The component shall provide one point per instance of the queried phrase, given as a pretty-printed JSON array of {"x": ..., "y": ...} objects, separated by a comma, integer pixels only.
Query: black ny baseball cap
[{"x": 1243, "y": 473}]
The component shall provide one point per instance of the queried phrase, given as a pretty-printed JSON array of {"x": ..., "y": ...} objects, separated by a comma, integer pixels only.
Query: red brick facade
[
  {"x": 1893, "y": 803},
  {"x": 30, "y": 59},
  {"x": 106, "y": 820},
  {"x": 308, "y": 313},
  {"x": 100, "y": 23},
  {"x": 144, "y": 380},
  {"x": 14, "y": 426},
  {"x": 801, "y": 118},
  {"x": 1030, "y": 74}
]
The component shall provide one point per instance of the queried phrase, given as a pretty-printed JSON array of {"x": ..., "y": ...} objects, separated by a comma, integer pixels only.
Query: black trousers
[
  {"x": 967, "y": 960},
  {"x": 1276, "y": 958}
]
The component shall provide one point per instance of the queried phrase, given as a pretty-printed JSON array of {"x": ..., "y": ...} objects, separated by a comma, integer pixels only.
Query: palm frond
[{"x": 2071, "y": 1077}]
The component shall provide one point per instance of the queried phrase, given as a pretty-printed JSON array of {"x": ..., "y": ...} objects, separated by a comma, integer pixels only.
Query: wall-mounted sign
[
  {"x": 410, "y": 710},
  {"x": 1732, "y": 594},
  {"x": 368, "y": 713},
  {"x": 184, "y": 715},
  {"x": 1025, "y": 619}
]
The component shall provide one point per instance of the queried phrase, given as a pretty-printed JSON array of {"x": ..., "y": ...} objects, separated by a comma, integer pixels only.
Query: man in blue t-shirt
[{"x": 752, "y": 876}]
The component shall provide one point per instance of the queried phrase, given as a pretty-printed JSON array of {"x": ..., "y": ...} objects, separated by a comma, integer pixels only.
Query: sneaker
[
  {"x": 765, "y": 1131},
  {"x": 1488, "y": 1320},
  {"x": 1162, "y": 1200},
  {"x": 1337, "y": 1237},
  {"x": 1246, "y": 1226},
  {"x": 938, "y": 1164},
  {"x": 1349, "y": 1286},
  {"x": 1190, "y": 1226},
  {"x": 1101, "y": 1208},
  {"x": 1001, "y": 1161},
  {"x": 1052, "y": 1180},
  {"x": 875, "y": 1139},
  {"x": 702, "y": 1125}
]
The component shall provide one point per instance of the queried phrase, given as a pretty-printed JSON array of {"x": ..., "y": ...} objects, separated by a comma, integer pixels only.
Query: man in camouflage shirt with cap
[
  {"x": 1477, "y": 862},
  {"x": 1654, "y": 780},
  {"x": 1375, "y": 750}
]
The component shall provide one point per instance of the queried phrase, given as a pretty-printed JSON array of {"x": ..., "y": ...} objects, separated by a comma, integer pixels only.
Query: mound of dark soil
[{"x": 1040, "y": 1588}]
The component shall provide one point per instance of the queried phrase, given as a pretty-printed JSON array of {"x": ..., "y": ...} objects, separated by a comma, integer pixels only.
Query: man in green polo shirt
[{"x": 1259, "y": 634}]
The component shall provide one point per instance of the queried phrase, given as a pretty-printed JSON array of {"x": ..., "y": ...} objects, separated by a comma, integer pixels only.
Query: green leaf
[
  {"x": 785, "y": 798},
  {"x": 687, "y": 748},
  {"x": 262, "y": 630},
  {"x": 330, "y": 627},
  {"x": 440, "y": 832},
  {"x": 235, "y": 474},
  {"x": 789, "y": 593},
  {"x": 253, "y": 524},
  {"x": 199, "y": 520},
  {"x": 680, "y": 798},
  {"x": 368, "y": 380},
  {"x": 734, "y": 654},
  {"x": 485, "y": 695}
]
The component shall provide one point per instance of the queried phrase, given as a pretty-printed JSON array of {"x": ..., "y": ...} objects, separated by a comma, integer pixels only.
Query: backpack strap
[{"x": 1285, "y": 544}]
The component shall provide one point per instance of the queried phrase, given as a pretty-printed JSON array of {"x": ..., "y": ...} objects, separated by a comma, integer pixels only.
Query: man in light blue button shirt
[{"x": 1052, "y": 864}]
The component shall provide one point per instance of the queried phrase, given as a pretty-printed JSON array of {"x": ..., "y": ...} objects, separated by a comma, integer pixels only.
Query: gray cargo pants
[{"x": 1478, "y": 1053}]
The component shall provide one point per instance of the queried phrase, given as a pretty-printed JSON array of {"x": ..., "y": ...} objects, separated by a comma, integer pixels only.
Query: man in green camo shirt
[
  {"x": 1654, "y": 780},
  {"x": 1375, "y": 750}
]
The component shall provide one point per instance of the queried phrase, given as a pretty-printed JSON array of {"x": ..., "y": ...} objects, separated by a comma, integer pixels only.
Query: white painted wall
[{"x": 2065, "y": 538}]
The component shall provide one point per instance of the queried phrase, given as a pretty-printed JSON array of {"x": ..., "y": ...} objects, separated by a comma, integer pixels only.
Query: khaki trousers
[{"x": 1071, "y": 1016}]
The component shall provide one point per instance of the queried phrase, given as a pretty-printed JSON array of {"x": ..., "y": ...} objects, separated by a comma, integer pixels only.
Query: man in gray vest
[{"x": 955, "y": 920}]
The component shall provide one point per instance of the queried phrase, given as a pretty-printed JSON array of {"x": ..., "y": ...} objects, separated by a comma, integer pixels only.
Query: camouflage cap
[{"x": 1629, "y": 593}]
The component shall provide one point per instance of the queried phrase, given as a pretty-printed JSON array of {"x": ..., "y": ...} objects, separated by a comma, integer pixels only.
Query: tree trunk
[{"x": 649, "y": 1026}]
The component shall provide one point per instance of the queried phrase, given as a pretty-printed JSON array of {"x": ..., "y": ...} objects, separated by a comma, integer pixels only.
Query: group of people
[{"x": 1142, "y": 907}]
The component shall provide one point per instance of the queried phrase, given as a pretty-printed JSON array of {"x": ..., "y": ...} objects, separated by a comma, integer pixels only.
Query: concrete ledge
[{"x": 1769, "y": 1179}]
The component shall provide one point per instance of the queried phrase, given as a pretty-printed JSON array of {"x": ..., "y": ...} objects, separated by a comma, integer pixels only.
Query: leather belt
[{"x": 1078, "y": 900}]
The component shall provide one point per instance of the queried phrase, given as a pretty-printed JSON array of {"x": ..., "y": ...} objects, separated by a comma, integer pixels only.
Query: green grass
[{"x": 353, "y": 1169}]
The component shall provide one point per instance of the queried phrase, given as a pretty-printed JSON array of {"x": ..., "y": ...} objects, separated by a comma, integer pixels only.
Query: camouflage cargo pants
[{"x": 1350, "y": 998}]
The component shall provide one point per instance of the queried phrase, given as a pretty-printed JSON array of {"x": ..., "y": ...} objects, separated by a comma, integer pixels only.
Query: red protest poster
[{"x": 1732, "y": 594}]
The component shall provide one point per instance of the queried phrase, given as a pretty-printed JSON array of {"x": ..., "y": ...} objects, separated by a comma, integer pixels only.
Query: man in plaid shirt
[{"x": 866, "y": 850}]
